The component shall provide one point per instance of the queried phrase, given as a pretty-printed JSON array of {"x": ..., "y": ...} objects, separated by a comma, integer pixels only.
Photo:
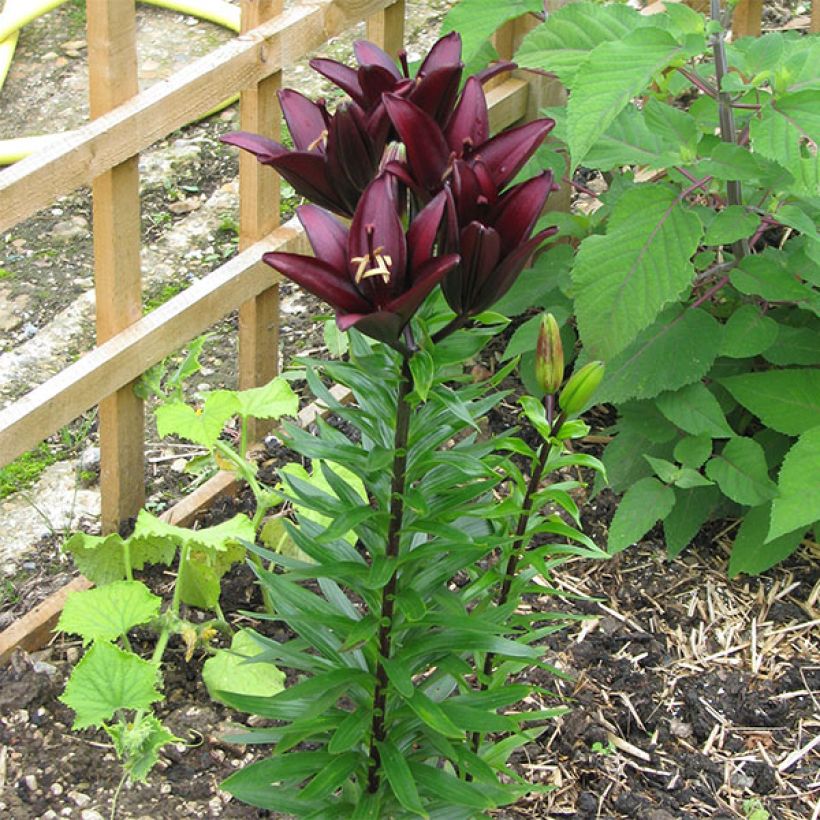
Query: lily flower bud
[
  {"x": 580, "y": 387},
  {"x": 549, "y": 356}
]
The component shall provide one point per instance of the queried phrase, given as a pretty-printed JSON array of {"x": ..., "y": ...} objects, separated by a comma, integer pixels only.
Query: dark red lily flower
[
  {"x": 432, "y": 151},
  {"x": 372, "y": 274},
  {"x": 434, "y": 88},
  {"x": 496, "y": 244},
  {"x": 335, "y": 157}
]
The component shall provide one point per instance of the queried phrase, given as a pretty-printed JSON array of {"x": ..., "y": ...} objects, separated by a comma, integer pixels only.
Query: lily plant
[{"x": 402, "y": 671}]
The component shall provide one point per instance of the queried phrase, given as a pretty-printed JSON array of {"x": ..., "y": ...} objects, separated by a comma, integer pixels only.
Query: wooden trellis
[{"x": 103, "y": 154}]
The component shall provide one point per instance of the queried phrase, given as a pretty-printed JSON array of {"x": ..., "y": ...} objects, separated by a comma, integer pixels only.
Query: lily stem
[
  {"x": 520, "y": 530},
  {"x": 377, "y": 733}
]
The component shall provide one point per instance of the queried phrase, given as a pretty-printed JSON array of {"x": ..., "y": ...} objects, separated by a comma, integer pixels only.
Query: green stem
[
  {"x": 519, "y": 543},
  {"x": 377, "y": 733},
  {"x": 126, "y": 557}
]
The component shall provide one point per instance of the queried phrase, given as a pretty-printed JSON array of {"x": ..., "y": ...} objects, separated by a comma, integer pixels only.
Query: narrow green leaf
[
  {"x": 423, "y": 369},
  {"x": 433, "y": 715},
  {"x": 105, "y": 613},
  {"x": 741, "y": 472},
  {"x": 351, "y": 730},
  {"x": 332, "y": 776},
  {"x": 399, "y": 676},
  {"x": 108, "y": 679},
  {"x": 335, "y": 340},
  {"x": 643, "y": 504},
  {"x": 787, "y": 400},
  {"x": 625, "y": 278},
  {"x": 798, "y": 504},
  {"x": 695, "y": 409},
  {"x": 400, "y": 778}
]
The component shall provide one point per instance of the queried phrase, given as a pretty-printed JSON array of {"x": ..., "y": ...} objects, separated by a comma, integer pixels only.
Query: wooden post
[
  {"x": 814, "y": 26},
  {"x": 112, "y": 61},
  {"x": 543, "y": 92},
  {"x": 746, "y": 18},
  {"x": 386, "y": 28},
  {"x": 258, "y": 216}
]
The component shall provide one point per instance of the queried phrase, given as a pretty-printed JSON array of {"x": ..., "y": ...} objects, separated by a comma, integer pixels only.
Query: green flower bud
[
  {"x": 549, "y": 356},
  {"x": 580, "y": 387}
]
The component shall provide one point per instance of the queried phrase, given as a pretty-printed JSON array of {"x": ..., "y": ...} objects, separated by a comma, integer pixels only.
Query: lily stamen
[
  {"x": 322, "y": 138},
  {"x": 382, "y": 263}
]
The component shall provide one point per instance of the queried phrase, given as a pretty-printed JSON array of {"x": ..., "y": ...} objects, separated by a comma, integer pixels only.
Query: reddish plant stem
[{"x": 377, "y": 733}]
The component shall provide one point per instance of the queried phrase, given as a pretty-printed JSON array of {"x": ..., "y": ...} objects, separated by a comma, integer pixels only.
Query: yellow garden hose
[{"x": 18, "y": 13}]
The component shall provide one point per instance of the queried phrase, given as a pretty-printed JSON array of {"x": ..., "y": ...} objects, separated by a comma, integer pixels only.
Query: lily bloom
[
  {"x": 431, "y": 150},
  {"x": 335, "y": 157},
  {"x": 372, "y": 274},
  {"x": 495, "y": 244}
]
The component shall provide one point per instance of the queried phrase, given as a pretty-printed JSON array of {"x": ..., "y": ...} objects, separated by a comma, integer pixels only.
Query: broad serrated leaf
[
  {"x": 695, "y": 410},
  {"x": 786, "y": 400},
  {"x": 476, "y": 21},
  {"x": 210, "y": 539},
  {"x": 691, "y": 511},
  {"x": 623, "y": 458},
  {"x": 766, "y": 275},
  {"x": 678, "y": 127},
  {"x": 677, "y": 350},
  {"x": 750, "y": 552},
  {"x": 271, "y": 401},
  {"x": 107, "y": 612},
  {"x": 798, "y": 504},
  {"x": 199, "y": 584},
  {"x": 108, "y": 679},
  {"x": 613, "y": 74},
  {"x": 643, "y": 504},
  {"x": 663, "y": 469},
  {"x": 741, "y": 472},
  {"x": 693, "y": 451},
  {"x": 138, "y": 745},
  {"x": 400, "y": 778},
  {"x": 794, "y": 345},
  {"x": 199, "y": 426},
  {"x": 100, "y": 558},
  {"x": 731, "y": 224},
  {"x": 625, "y": 278},
  {"x": 229, "y": 670},
  {"x": 562, "y": 44},
  {"x": 747, "y": 333}
]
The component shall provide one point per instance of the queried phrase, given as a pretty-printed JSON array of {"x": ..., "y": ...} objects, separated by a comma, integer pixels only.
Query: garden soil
[{"x": 689, "y": 695}]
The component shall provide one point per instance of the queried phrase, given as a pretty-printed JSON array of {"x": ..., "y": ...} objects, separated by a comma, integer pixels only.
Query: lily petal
[
  {"x": 423, "y": 232},
  {"x": 376, "y": 225},
  {"x": 339, "y": 74},
  {"x": 320, "y": 278},
  {"x": 508, "y": 270},
  {"x": 445, "y": 51},
  {"x": 427, "y": 151},
  {"x": 427, "y": 277},
  {"x": 470, "y": 123},
  {"x": 517, "y": 211},
  {"x": 380, "y": 325},
  {"x": 436, "y": 92},
  {"x": 368, "y": 53},
  {"x": 262, "y": 148},
  {"x": 306, "y": 119},
  {"x": 307, "y": 173},
  {"x": 328, "y": 237},
  {"x": 506, "y": 154}
]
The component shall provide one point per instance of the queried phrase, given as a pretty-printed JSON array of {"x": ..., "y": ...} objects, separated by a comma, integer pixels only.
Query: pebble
[
  {"x": 56, "y": 789},
  {"x": 30, "y": 782},
  {"x": 91, "y": 814},
  {"x": 68, "y": 229},
  {"x": 79, "y": 799},
  {"x": 178, "y": 465},
  {"x": 90, "y": 459},
  {"x": 49, "y": 815}
]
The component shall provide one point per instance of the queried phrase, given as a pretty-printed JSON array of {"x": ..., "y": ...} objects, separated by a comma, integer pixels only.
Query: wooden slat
[
  {"x": 122, "y": 359},
  {"x": 79, "y": 156},
  {"x": 814, "y": 26},
  {"x": 507, "y": 103},
  {"x": 258, "y": 216},
  {"x": 33, "y": 631},
  {"x": 112, "y": 65},
  {"x": 746, "y": 18},
  {"x": 386, "y": 28}
]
